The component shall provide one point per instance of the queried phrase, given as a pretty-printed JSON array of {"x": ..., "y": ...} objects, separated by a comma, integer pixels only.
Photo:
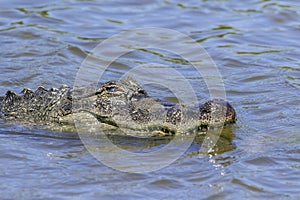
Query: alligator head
[{"x": 126, "y": 105}]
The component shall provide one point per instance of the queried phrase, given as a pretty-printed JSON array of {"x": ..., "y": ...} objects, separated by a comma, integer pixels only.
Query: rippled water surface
[{"x": 254, "y": 43}]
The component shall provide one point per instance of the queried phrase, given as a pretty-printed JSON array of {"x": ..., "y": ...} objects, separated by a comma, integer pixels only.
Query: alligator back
[{"x": 40, "y": 105}]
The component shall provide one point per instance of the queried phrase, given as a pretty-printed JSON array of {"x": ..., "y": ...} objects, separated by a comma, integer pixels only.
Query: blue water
[{"x": 255, "y": 45}]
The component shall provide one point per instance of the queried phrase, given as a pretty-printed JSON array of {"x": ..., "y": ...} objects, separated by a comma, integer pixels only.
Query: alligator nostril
[{"x": 142, "y": 92}]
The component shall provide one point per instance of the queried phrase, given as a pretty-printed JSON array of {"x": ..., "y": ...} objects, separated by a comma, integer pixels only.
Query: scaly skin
[{"x": 122, "y": 104}]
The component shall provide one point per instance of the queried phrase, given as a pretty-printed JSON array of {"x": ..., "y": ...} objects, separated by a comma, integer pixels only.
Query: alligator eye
[{"x": 110, "y": 89}]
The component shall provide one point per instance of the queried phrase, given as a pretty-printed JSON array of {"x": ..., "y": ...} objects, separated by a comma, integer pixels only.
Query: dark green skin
[{"x": 124, "y": 104}]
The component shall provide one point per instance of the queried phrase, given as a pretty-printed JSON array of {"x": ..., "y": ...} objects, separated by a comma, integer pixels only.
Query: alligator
[{"x": 122, "y": 104}]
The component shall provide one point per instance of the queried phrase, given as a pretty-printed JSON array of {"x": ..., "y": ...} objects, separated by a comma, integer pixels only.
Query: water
[{"x": 255, "y": 45}]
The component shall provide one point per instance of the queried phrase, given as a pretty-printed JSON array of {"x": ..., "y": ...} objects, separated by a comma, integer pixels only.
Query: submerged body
[{"x": 122, "y": 104}]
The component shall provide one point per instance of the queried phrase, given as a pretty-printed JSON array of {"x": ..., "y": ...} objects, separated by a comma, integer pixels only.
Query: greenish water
[{"x": 255, "y": 45}]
